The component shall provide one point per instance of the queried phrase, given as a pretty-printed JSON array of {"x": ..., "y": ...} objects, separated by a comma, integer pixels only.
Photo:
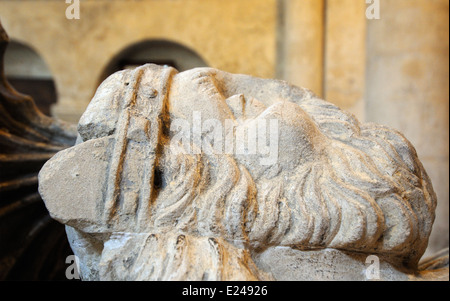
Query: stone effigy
[{"x": 206, "y": 175}]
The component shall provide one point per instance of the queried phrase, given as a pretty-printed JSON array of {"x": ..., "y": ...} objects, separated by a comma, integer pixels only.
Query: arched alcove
[
  {"x": 159, "y": 52},
  {"x": 28, "y": 73}
]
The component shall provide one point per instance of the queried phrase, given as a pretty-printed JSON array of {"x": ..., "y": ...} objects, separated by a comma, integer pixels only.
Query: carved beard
[
  {"x": 355, "y": 187},
  {"x": 355, "y": 206}
]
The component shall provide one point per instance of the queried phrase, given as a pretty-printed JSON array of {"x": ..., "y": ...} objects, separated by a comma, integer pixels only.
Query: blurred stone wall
[
  {"x": 233, "y": 35},
  {"x": 392, "y": 70},
  {"x": 407, "y": 87}
]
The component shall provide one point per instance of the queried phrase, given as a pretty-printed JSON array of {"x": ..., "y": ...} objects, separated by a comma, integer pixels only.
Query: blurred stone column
[
  {"x": 300, "y": 43},
  {"x": 345, "y": 55},
  {"x": 407, "y": 88}
]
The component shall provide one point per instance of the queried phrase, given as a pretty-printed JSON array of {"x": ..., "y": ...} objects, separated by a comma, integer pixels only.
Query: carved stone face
[{"x": 257, "y": 163}]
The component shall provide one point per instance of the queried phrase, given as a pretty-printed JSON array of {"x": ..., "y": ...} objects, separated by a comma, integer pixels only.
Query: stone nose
[{"x": 71, "y": 189}]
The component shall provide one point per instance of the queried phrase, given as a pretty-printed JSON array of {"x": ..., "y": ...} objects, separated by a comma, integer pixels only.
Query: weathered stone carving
[
  {"x": 166, "y": 183},
  {"x": 32, "y": 245}
]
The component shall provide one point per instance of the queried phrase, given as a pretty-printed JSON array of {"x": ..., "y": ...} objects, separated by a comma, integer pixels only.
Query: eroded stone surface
[{"x": 143, "y": 202}]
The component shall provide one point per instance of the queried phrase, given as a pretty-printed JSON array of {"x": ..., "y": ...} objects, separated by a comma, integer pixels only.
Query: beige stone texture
[
  {"x": 407, "y": 87},
  {"x": 301, "y": 43}
]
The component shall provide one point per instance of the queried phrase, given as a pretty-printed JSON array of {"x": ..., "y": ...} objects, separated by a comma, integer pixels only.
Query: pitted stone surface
[{"x": 147, "y": 203}]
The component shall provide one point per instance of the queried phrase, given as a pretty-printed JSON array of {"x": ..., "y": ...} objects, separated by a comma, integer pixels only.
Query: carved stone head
[{"x": 195, "y": 175}]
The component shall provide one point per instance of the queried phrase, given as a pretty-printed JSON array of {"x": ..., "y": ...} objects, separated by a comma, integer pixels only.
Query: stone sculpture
[{"x": 206, "y": 175}]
